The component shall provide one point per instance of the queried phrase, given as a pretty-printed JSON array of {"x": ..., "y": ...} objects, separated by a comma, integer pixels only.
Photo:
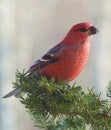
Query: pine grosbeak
[{"x": 67, "y": 59}]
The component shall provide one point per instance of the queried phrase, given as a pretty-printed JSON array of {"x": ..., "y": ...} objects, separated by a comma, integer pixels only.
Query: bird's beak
[{"x": 93, "y": 30}]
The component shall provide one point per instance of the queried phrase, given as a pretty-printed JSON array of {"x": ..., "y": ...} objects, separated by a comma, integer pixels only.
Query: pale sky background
[{"x": 28, "y": 28}]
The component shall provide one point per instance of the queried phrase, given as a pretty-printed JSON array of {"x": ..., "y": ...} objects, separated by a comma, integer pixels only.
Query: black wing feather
[{"x": 50, "y": 57}]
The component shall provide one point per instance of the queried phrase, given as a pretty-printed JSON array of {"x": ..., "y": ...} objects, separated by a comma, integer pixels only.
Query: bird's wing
[{"x": 50, "y": 57}]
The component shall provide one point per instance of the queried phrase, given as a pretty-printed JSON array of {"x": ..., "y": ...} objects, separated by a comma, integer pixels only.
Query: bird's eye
[{"x": 83, "y": 29}]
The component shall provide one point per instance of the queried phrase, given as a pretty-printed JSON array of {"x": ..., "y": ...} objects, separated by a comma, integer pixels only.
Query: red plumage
[
  {"x": 67, "y": 59},
  {"x": 71, "y": 54}
]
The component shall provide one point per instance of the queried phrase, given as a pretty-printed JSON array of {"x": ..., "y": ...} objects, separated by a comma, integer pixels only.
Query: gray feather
[{"x": 16, "y": 92}]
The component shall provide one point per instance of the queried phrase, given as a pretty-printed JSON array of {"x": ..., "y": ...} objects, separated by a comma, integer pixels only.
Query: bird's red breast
[{"x": 70, "y": 63}]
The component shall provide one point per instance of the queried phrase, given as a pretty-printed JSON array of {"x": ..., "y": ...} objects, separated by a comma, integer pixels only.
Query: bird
[{"x": 65, "y": 60}]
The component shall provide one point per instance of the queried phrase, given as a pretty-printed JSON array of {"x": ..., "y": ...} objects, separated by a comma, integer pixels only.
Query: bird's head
[{"x": 81, "y": 32}]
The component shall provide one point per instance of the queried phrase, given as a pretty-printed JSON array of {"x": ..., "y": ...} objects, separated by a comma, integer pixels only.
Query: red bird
[{"x": 67, "y": 59}]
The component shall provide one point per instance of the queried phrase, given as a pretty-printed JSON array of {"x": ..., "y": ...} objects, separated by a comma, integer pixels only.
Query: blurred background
[{"x": 28, "y": 28}]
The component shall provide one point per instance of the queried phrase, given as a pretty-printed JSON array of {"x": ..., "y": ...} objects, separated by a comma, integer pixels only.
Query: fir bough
[{"x": 58, "y": 106}]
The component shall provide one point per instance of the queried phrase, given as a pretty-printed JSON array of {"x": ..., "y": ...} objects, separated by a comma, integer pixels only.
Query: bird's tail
[{"x": 16, "y": 92}]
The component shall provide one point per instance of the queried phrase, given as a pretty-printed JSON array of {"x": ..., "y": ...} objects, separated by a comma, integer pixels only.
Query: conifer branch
[{"x": 58, "y": 106}]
